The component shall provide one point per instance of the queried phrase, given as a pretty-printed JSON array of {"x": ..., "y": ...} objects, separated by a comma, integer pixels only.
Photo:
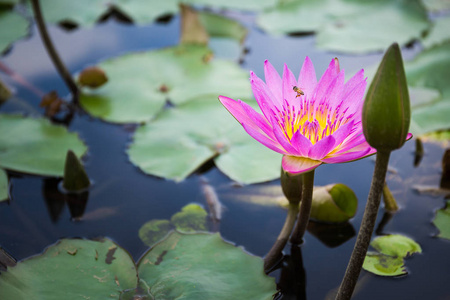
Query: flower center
[{"x": 314, "y": 120}]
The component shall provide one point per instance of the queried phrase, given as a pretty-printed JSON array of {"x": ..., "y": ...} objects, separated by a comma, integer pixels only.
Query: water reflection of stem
[
  {"x": 274, "y": 254},
  {"x": 305, "y": 208},
  {"x": 52, "y": 51},
  {"x": 366, "y": 229}
]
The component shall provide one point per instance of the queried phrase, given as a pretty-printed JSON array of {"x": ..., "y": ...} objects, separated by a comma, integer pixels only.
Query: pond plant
[{"x": 169, "y": 96}]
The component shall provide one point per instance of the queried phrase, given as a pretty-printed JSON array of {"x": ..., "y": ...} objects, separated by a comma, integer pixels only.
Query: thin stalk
[
  {"x": 365, "y": 232},
  {"x": 305, "y": 208},
  {"x": 274, "y": 254},
  {"x": 52, "y": 51}
]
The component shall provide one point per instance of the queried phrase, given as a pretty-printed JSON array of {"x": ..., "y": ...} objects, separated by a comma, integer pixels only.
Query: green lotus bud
[
  {"x": 333, "y": 203},
  {"x": 92, "y": 77},
  {"x": 291, "y": 184},
  {"x": 386, "y": 112}
]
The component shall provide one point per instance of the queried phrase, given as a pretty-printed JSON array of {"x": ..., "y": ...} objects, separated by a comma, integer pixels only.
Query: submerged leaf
[
  {"x": 140, "y": 84},
  {"x": 35, "y": 146},
  {"x": 191, "y": 218},
  {"x": 442, "y": 221},
  {"x": 72, "y": 268},
  {"x": 203, "y": 266},
  {"x": 153, "y": 231},
  {"x": 384, "y": 265},
  {"x": 396, "y": 245}
]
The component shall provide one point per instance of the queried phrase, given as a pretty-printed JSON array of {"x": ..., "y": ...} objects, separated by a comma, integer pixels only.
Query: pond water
[{"x": 123, "y": 198}]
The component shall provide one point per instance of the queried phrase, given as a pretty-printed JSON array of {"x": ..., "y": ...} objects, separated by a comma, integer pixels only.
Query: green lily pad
[
  {"x": 191, "y": 218},
  {"x": 88, "y": 12},
  {"x": 430, "y": 69},
  {"x": 203, "y": 266},
  {"x": 153, "y": 231},
  {"x": 219, "y": 26},
  {"x": 71, "y": 269},
  {"x": 4, "y": 190},
  {"x": 349, "y": 26},
  {"x": 12, "y": 27},
  {"x": 36, "y": 146},
  {"x": 438, "y": 34},
  {"x": 140, "y": 84},
  {"x": 396, "y": 245},
  {"x": 182, "y": 138},
  {"x": 384, "y": 265},
  {"x": 442, "y": 221},
  {"x": 436, "y": 5}
]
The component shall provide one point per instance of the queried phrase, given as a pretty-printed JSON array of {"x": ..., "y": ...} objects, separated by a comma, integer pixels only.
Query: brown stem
[
  {"x": 365, "y": 232},
  {"x": 305, "y": 208},
  {"x": 52, "y": 51},
  {"x": 274, "y": 254}
]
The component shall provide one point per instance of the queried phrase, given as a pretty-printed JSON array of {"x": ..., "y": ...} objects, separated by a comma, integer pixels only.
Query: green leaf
[
  {"x": 384, "y": 265},
  {"x": 71, "y": 269},
  {"x": 349, "y": 26},
  {"x": 12, "y": 27},
  {"x": 140, "y": 84},
  {"x": 219, "y": 26},
  {"x": 182, "y": 138},
  {"x": 436, "y": 5},
  {"x": 396, "y": 245},
  {"x": 430, "y": 69},
  {"x": 203, "y": 266},
  {"x": 442, "y": 221},
  {"x": 438, "y": 34},
  {"x": 36, "y": 146},
  {"x": 191, "y": 218},
  {"x": 153, "y": 231},
  {"x": 4, "y": 188},
  {"x": 75, "y": 177}
]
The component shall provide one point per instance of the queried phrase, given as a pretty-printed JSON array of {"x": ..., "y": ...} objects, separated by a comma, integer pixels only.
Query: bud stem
[
  {"x": 365, "y": 232},
  {"x": 274, "y": 254},
  {"x": 52, "y": 51},
  {"x": 305, "y": 208}
]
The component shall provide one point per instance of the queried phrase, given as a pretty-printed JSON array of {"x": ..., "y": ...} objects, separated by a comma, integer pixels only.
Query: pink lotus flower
[{"x": 309, "y": 122}]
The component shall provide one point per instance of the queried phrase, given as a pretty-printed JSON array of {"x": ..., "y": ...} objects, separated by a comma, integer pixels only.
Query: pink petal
[
  {"x": 354, "y": 100},
  {"x": 334, "y": 91},
  {"x": 409, "y": 136},
  {"x": 295, "y": 164},
  {"x": 273, "y": 82},
  {"x": 263, "y": 139},
  {"x": 289, "y": 82},
  {"x": 258, "y": 119},
  {"x": 343, "y": 132},
  {"x": 320, "y": 149},
  {"x": 235, "y": 108},
  {"x": 325, "y": 80},
  {"x": 262, "y": 95},
  {"x": 301, "y": 143},
  {"x": 349, "y": 156},
  {"x": 353, "y": 82},
  {"x": 307, "y": 79},
  {"x": 282, "y": 139}
]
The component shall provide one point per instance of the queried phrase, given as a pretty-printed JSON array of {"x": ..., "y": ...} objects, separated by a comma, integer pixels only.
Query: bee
[{"x": 298, "y": 91}]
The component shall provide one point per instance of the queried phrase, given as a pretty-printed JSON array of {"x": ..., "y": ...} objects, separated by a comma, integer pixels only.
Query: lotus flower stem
[
  {"x": 274, "y": 254},
  {"x": 52, "y": 51},
  {"x": 305, "y": 208},
  {"x": 365, "y": 232}
]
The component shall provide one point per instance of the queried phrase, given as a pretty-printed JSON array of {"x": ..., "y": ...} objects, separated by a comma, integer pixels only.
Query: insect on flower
[{"x": 298, "y": 91}]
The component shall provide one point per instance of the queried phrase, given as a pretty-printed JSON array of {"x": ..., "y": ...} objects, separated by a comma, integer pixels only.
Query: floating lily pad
[
  {"x": 71, "y": 269},
  {"x": 188, "y": 266},
  {"x": 384, "y": 265},
  {"x": 35, "y": 146},
  {"x": 12, "y": 27},
  {"x": 4, "y": 194},
  {"x": 349, "y": 26},
  {"x": 140, "y": 84},
  {"x": 203, "y": 266},
  {"x": 396, "y": 245},
  {"x": 191, "y": 218},
  {"x": 442, "y": 221},
  {"x": 436, "y": 5},
  {"x": 182, "y": 138},
  {"x": 430, "y": 69},
  {"x": 438, "y": 34}
]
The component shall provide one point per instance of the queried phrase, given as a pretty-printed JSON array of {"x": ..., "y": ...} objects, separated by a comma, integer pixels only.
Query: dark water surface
[{"x": 123, "y": 198}]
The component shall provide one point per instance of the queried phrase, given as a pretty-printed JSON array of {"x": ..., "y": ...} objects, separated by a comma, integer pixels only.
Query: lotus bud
[
  {"x": 334, "y": 203},
  {"x": 92, "y": 77},
  {"x": 291, "y": 184},
  {"x": 75, "y": 177},
  {"x": 386, "y": 113}
]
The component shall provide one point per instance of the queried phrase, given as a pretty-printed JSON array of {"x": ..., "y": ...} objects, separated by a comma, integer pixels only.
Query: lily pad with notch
[
  {"x": 442, "y": 221},
  {"x": 35, "y": 146},
  {"x": 12, "y": 27},
  {"x": 140, "y": 84}
]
